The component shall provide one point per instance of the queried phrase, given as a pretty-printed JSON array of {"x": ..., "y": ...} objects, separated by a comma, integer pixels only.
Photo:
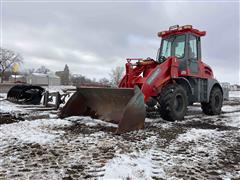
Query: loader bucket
[{"x": 122, "y": 106}]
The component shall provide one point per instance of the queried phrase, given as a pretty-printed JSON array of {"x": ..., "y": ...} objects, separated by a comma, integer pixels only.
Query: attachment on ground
[{"x": 25, "y": 94}]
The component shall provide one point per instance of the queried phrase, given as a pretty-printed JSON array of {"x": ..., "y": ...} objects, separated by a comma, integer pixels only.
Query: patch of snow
[
  {"x": 194, "y": 108},
  {"x": 233, "y": 94},
  {"x": 3, "y": 95},
  {"x": 37, "y": 131},
  {"x": 233, "y": 120},
  {"x": 8, "y": 107},
  {"x": 202, "y": 140},
  {"x": 195, "y": 134},
  {"x": 133, "y": 166},
  {"x": 229, "y": 175},
  {"x": 228, "y": 108},
  {"x": 88, "y": 121}
]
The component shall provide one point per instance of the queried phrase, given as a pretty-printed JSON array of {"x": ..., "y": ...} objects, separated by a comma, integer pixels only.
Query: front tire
[
  {"x": 214, "y": 106},
  {"x": 173, "y": 102}
]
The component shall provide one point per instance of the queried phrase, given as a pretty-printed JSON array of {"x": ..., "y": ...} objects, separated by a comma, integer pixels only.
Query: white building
[
  {"x": 225, "y": 84},
  {"x": 43, "y": 79},
  {"x": 235, "y": 87}
]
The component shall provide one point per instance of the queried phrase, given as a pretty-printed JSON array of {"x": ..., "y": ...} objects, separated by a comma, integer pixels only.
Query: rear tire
[
  {"x": 214, "y": 106},
  {"x": 173, "y": 102}
]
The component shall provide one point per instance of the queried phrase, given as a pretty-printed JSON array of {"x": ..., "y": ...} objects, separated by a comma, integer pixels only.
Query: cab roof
[{"x": 175, "y": 30}]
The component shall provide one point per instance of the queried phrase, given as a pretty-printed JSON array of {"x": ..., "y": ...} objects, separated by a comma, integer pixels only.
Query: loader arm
[
  {"x": 159, "y": 76},
  {"x": 150, "y": 76},
  {"x": 135, "y": 72}
]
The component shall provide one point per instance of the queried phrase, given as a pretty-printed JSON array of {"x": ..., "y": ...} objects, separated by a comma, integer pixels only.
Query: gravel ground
[{"x": 38, "y": 145}]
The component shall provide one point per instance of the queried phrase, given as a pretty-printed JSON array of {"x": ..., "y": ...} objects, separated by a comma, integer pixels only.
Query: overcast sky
[{"x": 94, "y": 37}]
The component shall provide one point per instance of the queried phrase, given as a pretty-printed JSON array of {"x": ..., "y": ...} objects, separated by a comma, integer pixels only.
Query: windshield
[{"x": 173, "y": 46}]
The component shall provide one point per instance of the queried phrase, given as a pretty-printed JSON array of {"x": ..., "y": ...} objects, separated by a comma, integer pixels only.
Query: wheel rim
[{"x": 178, "y": 103}]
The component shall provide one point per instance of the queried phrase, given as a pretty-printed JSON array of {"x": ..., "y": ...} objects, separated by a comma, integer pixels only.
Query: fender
[
  {"x": 211, "y": 84},
  {"x": 186, "y": 84}
]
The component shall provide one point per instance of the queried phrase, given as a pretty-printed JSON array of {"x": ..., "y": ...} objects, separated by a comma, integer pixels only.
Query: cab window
[
  {"x": 173, "y": 46},
  {"x": 166, "y": 48},
  {"x": 192, "y": 50},
  {"x": 179, "y": 46}
]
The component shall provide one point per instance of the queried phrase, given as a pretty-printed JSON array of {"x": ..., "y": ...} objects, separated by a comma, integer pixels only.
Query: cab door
[{"x": 193, "y": 54}]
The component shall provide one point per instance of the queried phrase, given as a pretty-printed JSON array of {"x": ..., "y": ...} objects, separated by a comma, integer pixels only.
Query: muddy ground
[{"x": 38, "y": 145}]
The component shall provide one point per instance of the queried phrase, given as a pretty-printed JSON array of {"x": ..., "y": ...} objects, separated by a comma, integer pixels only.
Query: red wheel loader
[{"x": 176, "y": 79}]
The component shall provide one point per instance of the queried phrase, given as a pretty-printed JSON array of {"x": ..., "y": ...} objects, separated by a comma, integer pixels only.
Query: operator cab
[{"x": 184, "y": 43}]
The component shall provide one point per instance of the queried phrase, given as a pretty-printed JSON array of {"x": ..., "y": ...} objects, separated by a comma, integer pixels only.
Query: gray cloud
[{"x": 92, "y": 38}]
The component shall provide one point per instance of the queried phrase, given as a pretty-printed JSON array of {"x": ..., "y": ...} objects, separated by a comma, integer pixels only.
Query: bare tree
[
  {"x": 43, "y": 70},
  {"x": 7, "y": 59},
  {"x": 104, "y": 81},
  {"x": 116, "y": 75},
  {"x": 30, "y": 70},
  {"x": 78, "y": 79}
]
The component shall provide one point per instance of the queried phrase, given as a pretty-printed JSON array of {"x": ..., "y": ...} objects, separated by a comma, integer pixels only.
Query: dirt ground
[{"x": 38, "y": 145}]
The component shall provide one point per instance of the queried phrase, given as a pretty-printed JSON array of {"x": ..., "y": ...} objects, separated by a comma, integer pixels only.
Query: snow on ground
[
  {"x": 173, "y": 161},
  {"x": 134, "y": 166},
  {"x": 32, "y": 131},
  {"x": 8, "y": 107},
  {"x": 41, "y": 146},
  {"x": 233, "y": 120},
  {"x": 88, "y": 121},
  {"x": 3, "y": 95},
  {"x": 234, "y": 94},
  {"x": 194, "y": 135},
  {"x": 228, "y": 108}
]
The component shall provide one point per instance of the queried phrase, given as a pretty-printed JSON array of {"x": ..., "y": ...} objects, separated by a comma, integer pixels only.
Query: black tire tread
[
  {"x": 165, "y": 99},
  {"x": 208, "y": 108}
]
